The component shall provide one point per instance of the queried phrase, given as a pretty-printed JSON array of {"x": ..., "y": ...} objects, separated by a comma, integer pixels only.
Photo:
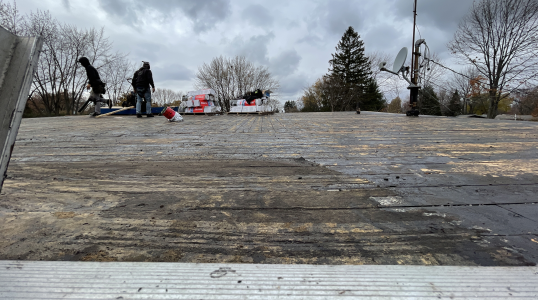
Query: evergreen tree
[
  {"x": 428, "y": 102},
  {"x": 349, "y": 61},
  {"x": 372, "y": 99},
  {"x": 290, "y": 106},
  {"x": 454, "y": 105}
]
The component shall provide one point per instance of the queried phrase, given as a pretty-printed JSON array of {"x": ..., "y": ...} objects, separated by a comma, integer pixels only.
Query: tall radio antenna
[
  {"x": 415, "y": 53},
  {"x": 413, "y": 44},
  {"x": 398, "y": 67}
]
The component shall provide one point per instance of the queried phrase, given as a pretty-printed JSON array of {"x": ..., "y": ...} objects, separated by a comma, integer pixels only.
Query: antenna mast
[
  {"x": 413, "y": 80},
  {"x": 415, "y": 53}
]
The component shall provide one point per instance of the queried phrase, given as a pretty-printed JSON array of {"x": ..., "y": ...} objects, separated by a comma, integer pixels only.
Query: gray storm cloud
[
  {"x": 285, "y": 63},
  {"x": 334, "y": 17},
  {"x": 294, "y": 39},
  {"x": 66, "y": 4},
  {"x": 253, "y": 48},
  {"x": 172, "y": 71},
  {"x": 204, "y": 15},
  {"x": 258, "y": 16}
]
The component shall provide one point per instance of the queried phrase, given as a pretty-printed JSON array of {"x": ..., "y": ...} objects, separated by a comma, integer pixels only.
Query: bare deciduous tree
[
  {"x": 10, "y": 18},
  {"x": 231, "y": 78},
  {"x": 390, "y": 85},
  {"x": 115, "y": 73},
  {"x": 525, "y": 100},
  {"x": 432, "y": 74},
  {"x": 273, "y": 104},
  {"x": 166, "y": 96},
  {"x": 462, "y": 84},
  {"x": 499, "y": 38},
  {"x": 59, "y": 80}
]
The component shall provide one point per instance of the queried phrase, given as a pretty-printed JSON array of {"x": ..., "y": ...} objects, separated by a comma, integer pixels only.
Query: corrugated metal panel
[
  {"x": 143, "y": 280},
  {"x": 18, "y": 60}
]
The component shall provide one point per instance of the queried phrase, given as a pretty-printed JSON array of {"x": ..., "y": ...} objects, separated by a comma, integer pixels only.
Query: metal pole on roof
[
  {"x": 413, "y": 44},
  {"x": 413, "y": 89}
]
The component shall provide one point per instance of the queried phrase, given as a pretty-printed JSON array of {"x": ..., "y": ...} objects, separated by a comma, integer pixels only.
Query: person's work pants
[
  {"x": 97, "y": 100},
  {"x": 139, "y": 100}
]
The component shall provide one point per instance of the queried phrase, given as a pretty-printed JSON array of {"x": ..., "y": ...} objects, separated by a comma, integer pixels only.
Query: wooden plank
[
  {"x": 250, "y": 113},
  {"x": 200, "y": 113},
  {"x": 114, "y": 112}
]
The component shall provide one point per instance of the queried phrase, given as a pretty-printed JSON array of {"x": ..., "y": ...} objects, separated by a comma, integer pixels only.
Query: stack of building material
[
  {"x": 256, "y": 105},
  {"x": 201, "y": 101}
]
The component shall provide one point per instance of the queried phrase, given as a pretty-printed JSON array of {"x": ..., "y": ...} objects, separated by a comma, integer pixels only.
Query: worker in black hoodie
[
  {"x": 97, "y": 86},
  {"x": 142, "y": 79}
]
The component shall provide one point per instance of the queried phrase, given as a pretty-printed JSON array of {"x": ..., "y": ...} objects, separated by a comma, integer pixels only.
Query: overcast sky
[{"x": 293, "y": 38}]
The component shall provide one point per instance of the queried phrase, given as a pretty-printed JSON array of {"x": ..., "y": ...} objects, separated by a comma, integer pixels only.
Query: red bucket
[{"x": 169, "y": 113}]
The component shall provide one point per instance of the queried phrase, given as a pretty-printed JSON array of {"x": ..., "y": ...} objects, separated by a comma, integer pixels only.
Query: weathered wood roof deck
[{"x": 317, "y": 188}]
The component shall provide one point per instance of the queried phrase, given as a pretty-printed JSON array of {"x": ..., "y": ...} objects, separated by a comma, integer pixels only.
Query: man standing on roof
[
  {"x": 97, "y": 86},
  {"x": 142, "y": 79}
]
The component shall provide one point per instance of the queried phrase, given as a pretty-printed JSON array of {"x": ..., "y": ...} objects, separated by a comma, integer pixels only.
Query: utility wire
[
  {"x": 439, "y": 64},
  {"x": 480, "y": 81}
]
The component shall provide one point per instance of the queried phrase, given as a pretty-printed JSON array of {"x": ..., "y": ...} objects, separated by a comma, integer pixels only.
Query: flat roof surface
[{"x": 304, "y": 188}]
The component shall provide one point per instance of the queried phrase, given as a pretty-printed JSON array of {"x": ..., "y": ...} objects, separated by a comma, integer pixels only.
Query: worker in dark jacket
[
  {"x": 142, "y": 79},
  {"x": 97, "y": 86}
]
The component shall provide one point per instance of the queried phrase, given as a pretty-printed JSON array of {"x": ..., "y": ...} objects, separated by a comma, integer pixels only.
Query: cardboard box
[{"x": 198, "y": 109}]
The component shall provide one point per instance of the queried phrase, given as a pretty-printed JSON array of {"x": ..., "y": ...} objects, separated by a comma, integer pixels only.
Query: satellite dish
[{"x": 400, "y": 60}]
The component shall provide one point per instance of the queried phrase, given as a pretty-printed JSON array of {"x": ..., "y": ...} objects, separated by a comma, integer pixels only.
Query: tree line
[
  {"x": 58, "y": 87},
  {"x": 497, "y": 42}
]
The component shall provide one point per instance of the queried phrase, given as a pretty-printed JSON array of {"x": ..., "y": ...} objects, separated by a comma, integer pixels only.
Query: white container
[{"x": 176, "y": 118}]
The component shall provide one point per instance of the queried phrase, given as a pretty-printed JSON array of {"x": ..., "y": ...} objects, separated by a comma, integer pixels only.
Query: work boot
[
  {"x": 94, "y": 114},
  {"x": 150, "y": 115},
  {"x": 138, "y": 115}
]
